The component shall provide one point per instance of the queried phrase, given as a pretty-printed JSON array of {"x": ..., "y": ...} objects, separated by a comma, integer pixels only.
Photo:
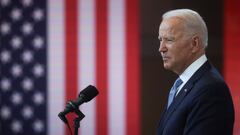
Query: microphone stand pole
[{"x": 77, "y": 120}]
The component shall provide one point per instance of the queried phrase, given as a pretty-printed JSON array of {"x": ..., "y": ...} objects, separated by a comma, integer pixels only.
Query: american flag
[{"x": 51, "y": 50}]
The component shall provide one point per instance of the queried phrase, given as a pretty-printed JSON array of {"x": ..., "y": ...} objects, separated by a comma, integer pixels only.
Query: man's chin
[{"x": 166, "y": 66}]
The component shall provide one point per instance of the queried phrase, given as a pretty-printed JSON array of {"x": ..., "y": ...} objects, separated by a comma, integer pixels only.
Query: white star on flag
[
  {"x": 38, "y": 98},
  {"x": 27, "y": 56},
  {"x": 38, "y": 70},
  {"x": 16, "y": 126},
  {"x": 38, "y": 126},
  {"x": 16, "y": 14},
  {"x": 38, "y": 42},
  {"x": 27, "y": 28},
  {"x": 5, "y": 28},
  {"x": 5, "y": 84},
  {"x": 5, "y": 56},
  {"x": 27, "y": 84},
  {"x": 5, "y": 112},
  {"x": 16, "y": 98},
  {"x": 16, "y": 70},
  {"x": 16, "y": 42},
  {"x": 38, "y": 14},
  {"x": 5, "y": 3},
  {"x": 27, "y": 112},
  {"x": 27, "y": 3}
]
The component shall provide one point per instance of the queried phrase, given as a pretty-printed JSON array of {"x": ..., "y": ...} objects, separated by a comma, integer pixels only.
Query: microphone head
[{"x": 89, "y": 93}]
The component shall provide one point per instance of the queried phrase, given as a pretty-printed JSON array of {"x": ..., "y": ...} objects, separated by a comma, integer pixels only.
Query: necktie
[{"x": 173, "y": 90}]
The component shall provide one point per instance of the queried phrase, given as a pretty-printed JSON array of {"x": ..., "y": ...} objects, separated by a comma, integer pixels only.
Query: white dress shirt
[{"x": 187, "y": 74}]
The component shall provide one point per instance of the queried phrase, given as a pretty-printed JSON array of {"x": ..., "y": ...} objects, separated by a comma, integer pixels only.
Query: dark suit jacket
[{"x": 203, "y": 107}]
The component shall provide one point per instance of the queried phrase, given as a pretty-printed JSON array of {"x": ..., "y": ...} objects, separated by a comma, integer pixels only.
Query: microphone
[{"x": 85, "y": 95}]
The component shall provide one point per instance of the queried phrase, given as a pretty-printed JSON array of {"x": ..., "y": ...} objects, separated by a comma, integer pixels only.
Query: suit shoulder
[
  {"x": 212, "y": 78},
  {"x": 211, "y": 82}
]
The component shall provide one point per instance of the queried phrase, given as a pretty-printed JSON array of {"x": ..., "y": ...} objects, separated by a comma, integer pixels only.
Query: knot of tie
[{"x": 173, "y": 91}]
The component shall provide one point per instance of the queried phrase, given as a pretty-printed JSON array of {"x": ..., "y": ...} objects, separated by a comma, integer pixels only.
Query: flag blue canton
[{"x": 23, "y": 58}]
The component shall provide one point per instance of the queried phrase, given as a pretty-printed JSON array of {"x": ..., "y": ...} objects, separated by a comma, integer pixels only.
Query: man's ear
[{"x": 195, "y": 44}]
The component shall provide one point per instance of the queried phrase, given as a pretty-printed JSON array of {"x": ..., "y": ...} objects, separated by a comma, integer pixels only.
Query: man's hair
[{"x": 193, "y": 22}]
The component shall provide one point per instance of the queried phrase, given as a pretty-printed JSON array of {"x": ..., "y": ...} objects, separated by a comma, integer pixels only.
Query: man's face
[{"x": 175, "y": 45}]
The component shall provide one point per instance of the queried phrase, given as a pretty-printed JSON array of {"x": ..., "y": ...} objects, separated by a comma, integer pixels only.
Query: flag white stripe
[
  {"x": 56, "y": 68},
  {"x": 86, "y": 40},
  {"x": 116, "y": 66}
]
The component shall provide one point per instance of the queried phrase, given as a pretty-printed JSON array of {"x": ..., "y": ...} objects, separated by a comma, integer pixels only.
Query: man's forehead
[
  {"x": 166, "y": 29},
  {"x": 171, "y": 22},
  {"x": 171, "y": 25}
]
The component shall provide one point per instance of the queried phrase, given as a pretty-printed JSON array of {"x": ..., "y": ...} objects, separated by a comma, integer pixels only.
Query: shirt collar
[{"x": 187, "y": 74}]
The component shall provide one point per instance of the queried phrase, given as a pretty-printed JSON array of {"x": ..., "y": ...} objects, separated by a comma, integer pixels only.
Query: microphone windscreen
[{"x": 89, "y": 93}]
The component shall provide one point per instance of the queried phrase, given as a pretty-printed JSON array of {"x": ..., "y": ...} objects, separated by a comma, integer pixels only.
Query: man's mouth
[{"x": 164, "y": 58}]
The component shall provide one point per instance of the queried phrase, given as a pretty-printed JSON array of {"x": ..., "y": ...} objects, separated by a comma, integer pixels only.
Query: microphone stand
[{"x": 77, "y": 120}]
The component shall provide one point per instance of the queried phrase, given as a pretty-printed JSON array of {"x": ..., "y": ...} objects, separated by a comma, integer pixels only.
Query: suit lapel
[{"x": 183, "y": 92}]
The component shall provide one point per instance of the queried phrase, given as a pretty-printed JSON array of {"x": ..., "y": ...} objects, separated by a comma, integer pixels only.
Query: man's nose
[{"x": 162, "y": 47}]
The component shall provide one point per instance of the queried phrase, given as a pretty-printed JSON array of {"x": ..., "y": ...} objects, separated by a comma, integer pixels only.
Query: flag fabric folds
[{"x": 51, "y": 50}]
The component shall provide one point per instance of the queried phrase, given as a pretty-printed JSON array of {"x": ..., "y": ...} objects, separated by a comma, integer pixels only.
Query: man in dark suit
[{"x": 199, "y": 102}]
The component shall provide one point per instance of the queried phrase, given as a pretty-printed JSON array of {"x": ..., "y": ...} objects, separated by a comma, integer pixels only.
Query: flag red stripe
[
  {"x": 231, "y": 55},
  {"x": 71, "y": 52},
  {"x": 101, "y": 66},
  {"x": 132, "y": 66}
]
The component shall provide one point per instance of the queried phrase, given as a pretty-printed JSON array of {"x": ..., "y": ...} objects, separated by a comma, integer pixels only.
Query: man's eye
[{"x": 169, "y": 40}]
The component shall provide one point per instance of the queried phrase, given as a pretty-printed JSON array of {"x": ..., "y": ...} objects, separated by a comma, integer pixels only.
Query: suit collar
[{"x": 191, "y": 69}]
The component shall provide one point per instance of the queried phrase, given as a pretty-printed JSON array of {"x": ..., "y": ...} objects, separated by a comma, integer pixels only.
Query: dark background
[{"x": 155, "y": 80}]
